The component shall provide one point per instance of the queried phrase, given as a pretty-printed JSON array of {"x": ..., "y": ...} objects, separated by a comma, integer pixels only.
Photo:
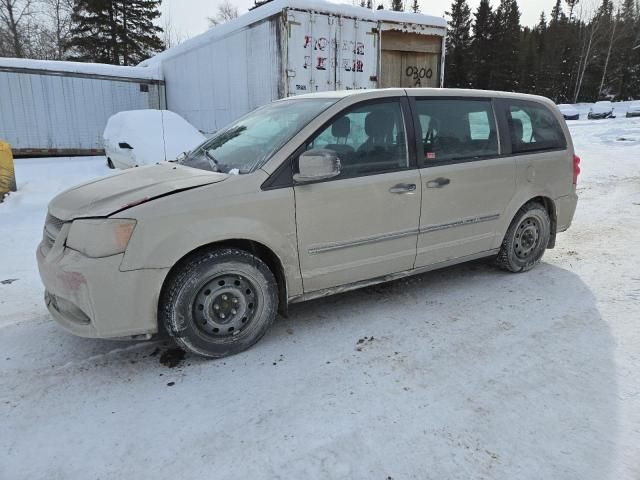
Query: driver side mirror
[{"x": 317, "y": 164}]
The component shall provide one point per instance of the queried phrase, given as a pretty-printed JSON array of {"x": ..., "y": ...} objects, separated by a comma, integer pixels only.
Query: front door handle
[
  {"x": 403, "y": 188},
  {"x": 438, "y": 183}
]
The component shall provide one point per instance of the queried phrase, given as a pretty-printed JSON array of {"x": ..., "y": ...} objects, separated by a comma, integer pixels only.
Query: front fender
[{"x": 171, "y": 227}]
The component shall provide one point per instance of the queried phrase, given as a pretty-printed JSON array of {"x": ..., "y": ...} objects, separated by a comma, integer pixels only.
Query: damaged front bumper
[{"x": 91, "y": 297}]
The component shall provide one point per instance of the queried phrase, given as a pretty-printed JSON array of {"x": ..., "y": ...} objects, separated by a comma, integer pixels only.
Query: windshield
[{"x": 248, "y": 142}]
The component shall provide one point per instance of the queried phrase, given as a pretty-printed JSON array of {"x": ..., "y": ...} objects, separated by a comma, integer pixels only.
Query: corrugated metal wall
[
  {"x": 65, "y": 113},
  {"x": 212, "y": 85}
]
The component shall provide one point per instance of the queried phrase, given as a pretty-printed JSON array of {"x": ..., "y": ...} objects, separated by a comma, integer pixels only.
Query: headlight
[{"x": 100, "y": 237}]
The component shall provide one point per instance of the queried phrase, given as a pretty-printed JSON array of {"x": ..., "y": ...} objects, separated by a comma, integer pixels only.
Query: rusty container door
[{"x": 410, "y": 60}]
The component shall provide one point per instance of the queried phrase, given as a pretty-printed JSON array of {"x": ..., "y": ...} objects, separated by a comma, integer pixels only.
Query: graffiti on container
[
  {"x": 321, "y": 62},
  {"x": 357, "y": 48},
  {"x": 352, "y": 65},
  {"x": 319, "y": 44},
  {"x": 322, "y": 43},
  {"x": 417, "y": 74}
]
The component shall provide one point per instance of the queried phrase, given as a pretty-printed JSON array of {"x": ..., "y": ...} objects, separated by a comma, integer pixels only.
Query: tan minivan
[{"x": 306, "y": 197}]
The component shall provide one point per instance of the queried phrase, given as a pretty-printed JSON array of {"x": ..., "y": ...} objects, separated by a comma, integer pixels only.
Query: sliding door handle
[
  {"x": 403, "y": 188},
  {"x": 438, "y": 183}
]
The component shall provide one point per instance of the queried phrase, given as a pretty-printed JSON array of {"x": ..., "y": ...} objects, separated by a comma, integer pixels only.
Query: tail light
[{"x": 576, "y": 169}]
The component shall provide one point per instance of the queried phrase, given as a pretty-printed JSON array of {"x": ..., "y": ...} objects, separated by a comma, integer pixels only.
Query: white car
[
  {"x": 569, "y": 112},
  {"x": 634, "y": 109},
  {"x": 600, "y": 110},
  {"x": 143, "y": 137}
]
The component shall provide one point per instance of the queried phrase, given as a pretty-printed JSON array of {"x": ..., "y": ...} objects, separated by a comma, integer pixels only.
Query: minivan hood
[{"x": 108, "y": 195}]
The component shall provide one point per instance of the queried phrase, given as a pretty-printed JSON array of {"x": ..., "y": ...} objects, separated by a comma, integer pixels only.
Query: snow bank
[
  {"x": 277, "y": 6},
  {"x": 149, "y": 73}
]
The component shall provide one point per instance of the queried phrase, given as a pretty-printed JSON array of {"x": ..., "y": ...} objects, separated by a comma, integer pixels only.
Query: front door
[
  {"x": 466, "y": 184},
  {"x": 362, "y": 224}
]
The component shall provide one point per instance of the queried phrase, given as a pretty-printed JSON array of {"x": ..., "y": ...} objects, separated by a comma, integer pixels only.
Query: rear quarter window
[{"x": 533, "y": 128}]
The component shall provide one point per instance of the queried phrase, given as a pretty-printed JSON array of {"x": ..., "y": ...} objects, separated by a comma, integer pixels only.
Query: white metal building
[
  {"x": 289, "y": 47},
  {"x": 61, "y": 108}
]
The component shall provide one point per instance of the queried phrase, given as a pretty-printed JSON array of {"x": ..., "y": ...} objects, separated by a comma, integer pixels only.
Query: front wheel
[
  {"x": 526, "y": 239},
  {"x": 219, "y": 302}
]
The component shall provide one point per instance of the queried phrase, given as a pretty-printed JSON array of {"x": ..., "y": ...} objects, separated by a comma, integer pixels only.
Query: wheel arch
[
  {"x": 258, "y": 249},
  {"x": 550, "y": 206}
]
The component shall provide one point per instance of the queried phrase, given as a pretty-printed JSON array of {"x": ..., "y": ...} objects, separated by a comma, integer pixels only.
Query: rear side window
[
  {"x": 454, "y": 129},
  {"x": 533, "y": 128}
]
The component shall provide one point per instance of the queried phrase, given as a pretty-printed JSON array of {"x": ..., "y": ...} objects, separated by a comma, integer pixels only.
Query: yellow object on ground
[{"x": 7, "y": 171}]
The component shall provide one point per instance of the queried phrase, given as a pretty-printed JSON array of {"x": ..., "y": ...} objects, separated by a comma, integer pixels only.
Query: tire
[
  {"x": 110, "y": 164},
  {"x": 219, "y": 303},
  {"x": 526, "y": 239}
]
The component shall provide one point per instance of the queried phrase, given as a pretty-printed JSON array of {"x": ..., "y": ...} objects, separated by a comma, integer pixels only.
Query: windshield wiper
[{"x": 213, "y": 163}]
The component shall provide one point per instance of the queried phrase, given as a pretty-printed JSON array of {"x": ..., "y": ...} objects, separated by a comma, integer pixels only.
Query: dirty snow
[{"x": 464, "y": 373}]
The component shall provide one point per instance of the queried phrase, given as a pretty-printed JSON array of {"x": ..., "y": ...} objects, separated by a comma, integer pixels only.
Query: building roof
[
  {"x": 276, "y": 6},
  {"x": 98, "y": 69}
]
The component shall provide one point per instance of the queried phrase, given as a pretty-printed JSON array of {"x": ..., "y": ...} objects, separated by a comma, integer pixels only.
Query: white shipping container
[
  {"x": 61, "y": 108},
  {"x": 292, "y": 47}
]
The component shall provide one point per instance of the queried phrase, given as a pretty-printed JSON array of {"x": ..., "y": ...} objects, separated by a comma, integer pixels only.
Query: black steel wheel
[
  {"x": 219, "y": 303},
  {"x": 526, "y": 239}
]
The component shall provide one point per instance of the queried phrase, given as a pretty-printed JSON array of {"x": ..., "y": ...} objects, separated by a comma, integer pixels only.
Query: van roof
[{"x": 436, "y": 92}]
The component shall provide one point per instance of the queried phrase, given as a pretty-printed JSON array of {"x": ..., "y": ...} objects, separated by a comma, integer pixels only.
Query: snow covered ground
[{"x": 465, "y": 373}]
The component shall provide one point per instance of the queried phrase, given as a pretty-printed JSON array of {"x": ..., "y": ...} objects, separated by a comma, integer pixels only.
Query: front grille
[{"x": 52, "y": 227}]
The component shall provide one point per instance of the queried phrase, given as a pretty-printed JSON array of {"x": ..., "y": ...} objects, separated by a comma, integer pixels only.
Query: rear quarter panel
[{"x": 543, "y": 174}]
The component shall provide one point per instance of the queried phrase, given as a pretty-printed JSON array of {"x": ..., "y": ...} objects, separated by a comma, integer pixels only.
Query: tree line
[{"x": 574, "y": 55}]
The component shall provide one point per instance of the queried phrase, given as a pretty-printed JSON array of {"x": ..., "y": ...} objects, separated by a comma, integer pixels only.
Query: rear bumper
[
  {"x": 565, "y": 210},
  {"x": 572, "y": 117},
  {"x": 91, "y": 297}
]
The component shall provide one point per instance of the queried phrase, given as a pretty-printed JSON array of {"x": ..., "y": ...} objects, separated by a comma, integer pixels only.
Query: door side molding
[
  {"x": 459, "y": 223},
  {"x": 329, "y": 247}
]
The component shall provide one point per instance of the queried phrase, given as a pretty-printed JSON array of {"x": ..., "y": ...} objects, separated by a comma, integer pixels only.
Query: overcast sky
[{"x": 189, "y": 17}]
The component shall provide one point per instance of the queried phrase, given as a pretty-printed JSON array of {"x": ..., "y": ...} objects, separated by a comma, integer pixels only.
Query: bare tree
[
  {"x": 15, "y": 16},
  {"x": 55, "y": 29},
  {"x": 171, "y": 36},
  {"x": 226, "y": 12},
  {"x": 591, "y": 33}
]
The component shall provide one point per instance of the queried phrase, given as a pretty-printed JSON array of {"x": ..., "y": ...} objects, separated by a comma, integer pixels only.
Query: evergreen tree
[
  {"x": 506, "y": 42},
  {"x": 397, "y": 5},
  {"x": 120, "y": 32},
  {"x": 458, "y": 54},
  {"x": 482, "y": 53},
  {"x": 415, "y": 6}
]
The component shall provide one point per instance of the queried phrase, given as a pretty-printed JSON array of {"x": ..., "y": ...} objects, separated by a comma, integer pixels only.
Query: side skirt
[{"x": 387, "y": 278}]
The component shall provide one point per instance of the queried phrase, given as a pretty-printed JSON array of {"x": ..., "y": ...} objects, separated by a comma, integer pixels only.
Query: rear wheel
[
  {"x": 219, "y": 303},
  {"x": 526, "y": 239}
]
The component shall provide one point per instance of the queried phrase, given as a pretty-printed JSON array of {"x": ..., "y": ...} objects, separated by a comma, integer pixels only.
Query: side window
[
  {"x": 453, "y": 129},
  {"x": 533, "y": 128},
  {"x": 368, "y": 139}
]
